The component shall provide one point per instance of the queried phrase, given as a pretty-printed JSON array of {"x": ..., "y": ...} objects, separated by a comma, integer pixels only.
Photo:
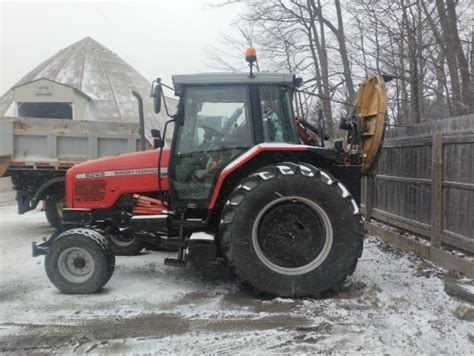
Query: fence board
[
  {"x": 437, "y": 189},
  {"x": 425, "y": 181}
]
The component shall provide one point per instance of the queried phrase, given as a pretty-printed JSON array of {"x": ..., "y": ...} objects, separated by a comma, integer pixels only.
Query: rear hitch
[{"x": 41, "y": 249}]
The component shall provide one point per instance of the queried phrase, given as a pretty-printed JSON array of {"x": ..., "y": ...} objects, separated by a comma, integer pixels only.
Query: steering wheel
[{"x": 212, "y": 131}]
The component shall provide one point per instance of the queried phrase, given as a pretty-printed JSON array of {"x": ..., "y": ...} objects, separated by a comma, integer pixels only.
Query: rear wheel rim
[
  {"x": 76, "y": 264},
  {"x": 292, "y": 235}
]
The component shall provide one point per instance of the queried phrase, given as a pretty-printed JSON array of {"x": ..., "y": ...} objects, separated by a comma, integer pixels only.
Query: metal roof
[
  {"x": 232, "y": 78},
  {"x": 102, "y": 75}
]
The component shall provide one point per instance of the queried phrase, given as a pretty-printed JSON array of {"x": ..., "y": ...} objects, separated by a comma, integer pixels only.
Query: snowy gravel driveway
[{"x": 391, "y": 304}]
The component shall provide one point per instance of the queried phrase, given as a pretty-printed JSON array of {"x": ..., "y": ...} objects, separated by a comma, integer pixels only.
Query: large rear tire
[
  {"x": 291, "y": 230},
  {"x": 80, "y": 261}
]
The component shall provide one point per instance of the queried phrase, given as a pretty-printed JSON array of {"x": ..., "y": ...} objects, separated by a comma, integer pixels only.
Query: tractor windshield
[{"x": 216, "y": 128}]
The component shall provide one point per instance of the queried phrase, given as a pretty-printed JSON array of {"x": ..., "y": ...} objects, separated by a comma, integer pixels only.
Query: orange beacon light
[{"x": 250, "y": 55}]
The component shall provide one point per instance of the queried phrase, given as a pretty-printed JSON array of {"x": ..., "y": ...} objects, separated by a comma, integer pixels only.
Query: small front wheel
[{"x": 80, "y": 261}]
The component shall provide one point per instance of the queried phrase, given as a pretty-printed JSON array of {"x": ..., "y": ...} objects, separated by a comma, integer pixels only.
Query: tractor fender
[
  {"x": 261, "y": 155},
  {"x": 43, "y": 190}
]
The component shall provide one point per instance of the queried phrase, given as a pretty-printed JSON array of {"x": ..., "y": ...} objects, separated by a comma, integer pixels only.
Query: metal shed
[{"x": 85, "y": 81}]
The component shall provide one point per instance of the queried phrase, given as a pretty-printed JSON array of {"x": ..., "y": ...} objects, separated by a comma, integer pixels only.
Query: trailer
[{"x": 36, "y": 153}]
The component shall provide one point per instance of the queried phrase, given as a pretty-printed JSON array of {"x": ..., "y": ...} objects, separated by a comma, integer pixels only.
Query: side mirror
[
  {"x": 298, "y": 82},
  {"x": 156, "y": 94},
  {"x": 158, "y": 141}
]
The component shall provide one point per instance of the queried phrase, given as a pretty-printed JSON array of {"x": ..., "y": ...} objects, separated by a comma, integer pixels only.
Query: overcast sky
[{"x": 158, "y": 38}]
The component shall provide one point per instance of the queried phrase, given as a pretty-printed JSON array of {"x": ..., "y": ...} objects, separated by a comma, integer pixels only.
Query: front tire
[
  {"x": 80, "y": 261},
  {"x": 291, "y": 230}
]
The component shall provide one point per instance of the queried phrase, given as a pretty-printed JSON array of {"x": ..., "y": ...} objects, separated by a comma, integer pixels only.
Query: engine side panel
[{"x": 98, "y": 184}]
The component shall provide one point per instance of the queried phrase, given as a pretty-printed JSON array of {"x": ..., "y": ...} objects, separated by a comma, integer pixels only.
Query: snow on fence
[{"x": 425, "y": 182}]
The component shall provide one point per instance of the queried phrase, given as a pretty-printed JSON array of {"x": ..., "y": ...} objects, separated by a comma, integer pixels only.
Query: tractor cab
[{"x": 220, "y": 116}]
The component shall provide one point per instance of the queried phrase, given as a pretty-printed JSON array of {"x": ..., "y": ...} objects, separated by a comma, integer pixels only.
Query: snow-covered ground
[{"x": 392, "y": 304}]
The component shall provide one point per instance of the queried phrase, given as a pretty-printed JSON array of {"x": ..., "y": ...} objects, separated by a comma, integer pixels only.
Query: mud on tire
[
  {"x": 291, "y": 230},
  {"x": 80, "y": 261}
]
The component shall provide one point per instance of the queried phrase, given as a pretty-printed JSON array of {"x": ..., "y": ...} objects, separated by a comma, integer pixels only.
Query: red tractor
[{"x": 237, "y": 188}]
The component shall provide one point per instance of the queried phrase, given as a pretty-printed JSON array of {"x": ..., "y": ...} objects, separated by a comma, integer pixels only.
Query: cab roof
[{"x": 232, "y": 78}]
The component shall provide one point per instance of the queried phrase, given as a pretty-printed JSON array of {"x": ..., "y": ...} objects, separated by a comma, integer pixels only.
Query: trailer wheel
[
  {"x": 291, "y": 230},
  {"x": 54, "y": 210},
  {"x": 80, "y": 261}
]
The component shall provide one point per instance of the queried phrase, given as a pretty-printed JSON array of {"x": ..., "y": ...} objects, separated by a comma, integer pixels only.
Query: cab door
[{"x": 215, "y": 127}]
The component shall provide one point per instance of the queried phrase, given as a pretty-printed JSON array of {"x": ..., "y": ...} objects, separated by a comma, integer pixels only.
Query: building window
[{"x": 45, "y": 110}]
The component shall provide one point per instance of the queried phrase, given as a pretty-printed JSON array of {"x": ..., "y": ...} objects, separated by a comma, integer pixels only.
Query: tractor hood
[
  {"x": 126, "y": 161},
  {"x": 371, "y": 107},
  {"x": 99, "y": 183}
]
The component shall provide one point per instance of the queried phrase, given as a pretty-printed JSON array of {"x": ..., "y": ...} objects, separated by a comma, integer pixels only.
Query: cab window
[{"x": 277, "y": 114}]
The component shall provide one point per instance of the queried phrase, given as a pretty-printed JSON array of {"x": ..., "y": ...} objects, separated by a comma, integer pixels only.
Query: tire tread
[
  {"x": 273, "y": 172},
  {"x": 78, "y": 234}
]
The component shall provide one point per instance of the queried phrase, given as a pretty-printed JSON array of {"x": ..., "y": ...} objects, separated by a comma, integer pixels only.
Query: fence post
[
  {"x": 369, "y": 196},
  {"x": 436, "y": 189}
]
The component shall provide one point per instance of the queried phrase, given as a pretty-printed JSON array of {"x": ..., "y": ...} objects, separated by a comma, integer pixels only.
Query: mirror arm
[
  {"x": 167, "y": 86},
  {"x": 158, "y": 82},
  {"x": 166, "y": 107}
]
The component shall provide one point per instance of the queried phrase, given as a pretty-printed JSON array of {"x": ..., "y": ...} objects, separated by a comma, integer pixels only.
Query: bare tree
[{"x": 333, "y": 44}]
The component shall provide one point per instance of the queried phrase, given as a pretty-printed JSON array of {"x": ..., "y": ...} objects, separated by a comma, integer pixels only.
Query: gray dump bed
[{"x": 58, "y": 143}]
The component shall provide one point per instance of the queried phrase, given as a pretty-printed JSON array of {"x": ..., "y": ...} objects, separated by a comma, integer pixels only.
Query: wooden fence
[{"x": 425, "y": 182}]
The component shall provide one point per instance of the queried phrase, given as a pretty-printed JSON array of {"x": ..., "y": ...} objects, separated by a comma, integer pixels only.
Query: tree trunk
[
  {"x": 412, "y": 66},
  {"x": 420, "y": 62},
  {"x": 320, "y": 44},
  {"x": 362, "y": 46},
  {"x": 440, "y": 80},
  {"x": 467, "y": 96},
  {"x": 311, "y": 40},
  {"x": 341, "y": 38},
  {"x": 451, "y": 58},
  {"x": 403, "y": 85},
  {"x": 471, "y": 102}
]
